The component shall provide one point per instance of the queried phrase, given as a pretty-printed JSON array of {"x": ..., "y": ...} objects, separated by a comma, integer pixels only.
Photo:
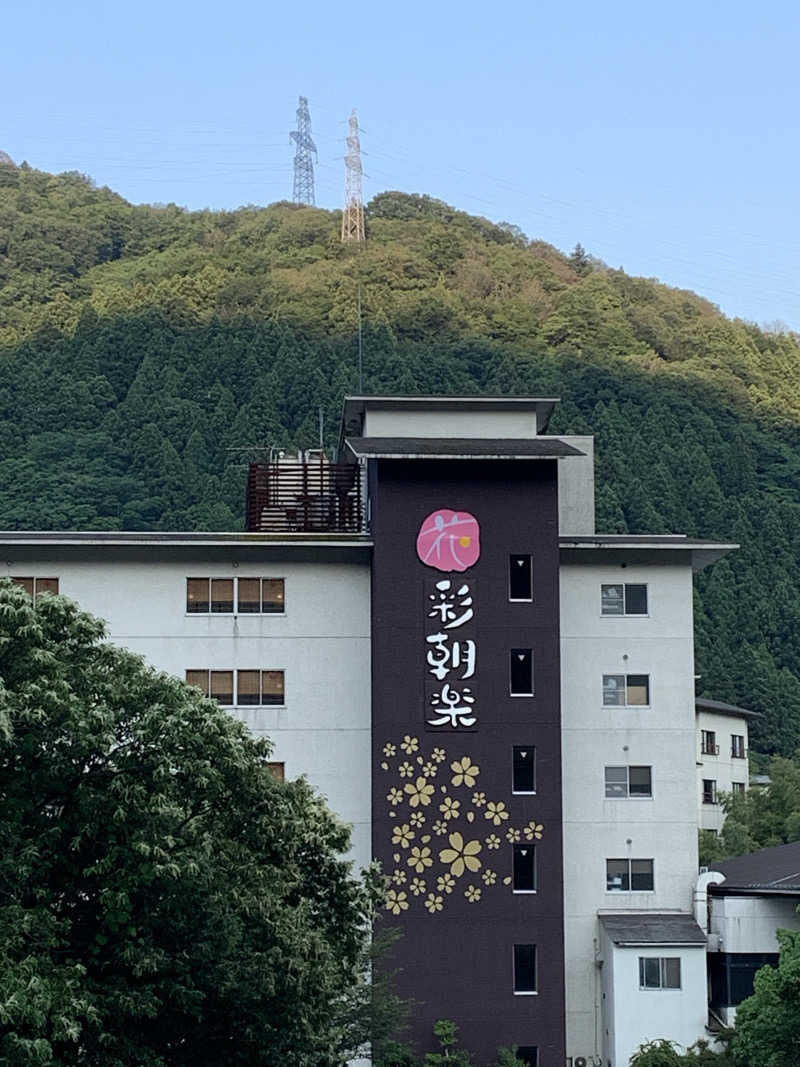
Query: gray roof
[
  {"x": 461, "y": 447},
  {"x": 638, "y": 548},
  {"x": 355, "y": 406},
  {"x": 653, "y": 928},
  {"x": 719, "y": 707},
  {"x": 771, "y": 870}
]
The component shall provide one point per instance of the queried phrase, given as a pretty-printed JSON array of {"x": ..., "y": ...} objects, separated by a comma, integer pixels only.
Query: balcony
[{"x": 306, "y": 495}]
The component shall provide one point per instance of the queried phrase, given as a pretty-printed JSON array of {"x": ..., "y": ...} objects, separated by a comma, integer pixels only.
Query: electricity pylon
[
  {"x": 303, "y": 190},
  {"x": 353, "y": 218}
]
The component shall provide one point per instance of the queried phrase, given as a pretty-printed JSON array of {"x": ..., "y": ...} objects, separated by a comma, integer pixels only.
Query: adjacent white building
[{"x": 723, "y": 745}]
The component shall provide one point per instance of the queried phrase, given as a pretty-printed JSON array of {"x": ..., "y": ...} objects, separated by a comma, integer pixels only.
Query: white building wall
[
  {"x": 749, "y": 924},
  {"x": 662, "y": 736},
  {"x": 642, "y": 1015},
  {"x": 322, "y": 642},
  {"x": 721, "y": 768}
]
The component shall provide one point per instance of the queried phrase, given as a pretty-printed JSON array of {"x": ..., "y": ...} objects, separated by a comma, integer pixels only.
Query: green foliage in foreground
[
  {"x": 144, "y": 350},
  {"x": 764, "y": 816},
  {"x": 164, "y": 901},
  {"x": 450, "y": 1053},
  {"x": 768, "y": 1022},
  {"x": 665, "y": 1053}
]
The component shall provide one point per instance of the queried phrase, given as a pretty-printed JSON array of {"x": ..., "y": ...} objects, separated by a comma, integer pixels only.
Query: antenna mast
[
  {"x": 353, "y": 218},
  {"x": 303, "y": 191}
]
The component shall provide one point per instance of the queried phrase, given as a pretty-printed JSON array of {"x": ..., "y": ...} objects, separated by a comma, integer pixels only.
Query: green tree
[
  {"x": 768, "y": 1022},
  {"x": 164, "y": 900}
]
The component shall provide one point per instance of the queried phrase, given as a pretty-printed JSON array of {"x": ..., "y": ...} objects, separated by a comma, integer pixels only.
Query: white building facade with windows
[{"x": 278, "y": 628}]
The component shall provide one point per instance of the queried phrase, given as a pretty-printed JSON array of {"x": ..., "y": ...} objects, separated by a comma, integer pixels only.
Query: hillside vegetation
[{"x": 142, "y": 349}]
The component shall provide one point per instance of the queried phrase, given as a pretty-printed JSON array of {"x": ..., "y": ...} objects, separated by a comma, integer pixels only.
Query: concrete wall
[
  {"x": 482, "y": 424},
  {"x": 662, "y": 736},
  {"x": 722, "y": 768},
  {"x": 322, "y": 643},
  {"x": 576, "y": 489},
  {"x": 748, "y": 924},
  {"x": 641, "y": 1015}
]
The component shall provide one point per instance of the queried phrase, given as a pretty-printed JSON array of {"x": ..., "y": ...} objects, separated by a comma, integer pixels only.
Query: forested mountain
[{"x": 140, "y": 346}]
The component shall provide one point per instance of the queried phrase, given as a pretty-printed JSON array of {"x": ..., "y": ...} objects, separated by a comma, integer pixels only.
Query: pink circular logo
[{"x": 449, "y": 540}]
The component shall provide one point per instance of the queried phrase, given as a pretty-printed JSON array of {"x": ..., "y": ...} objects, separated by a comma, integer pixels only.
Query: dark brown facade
[{"x": 445, "y": 817}]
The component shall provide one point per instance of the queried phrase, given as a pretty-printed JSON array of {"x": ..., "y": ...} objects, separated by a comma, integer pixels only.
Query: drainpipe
[{"x": 704, "y": 880}]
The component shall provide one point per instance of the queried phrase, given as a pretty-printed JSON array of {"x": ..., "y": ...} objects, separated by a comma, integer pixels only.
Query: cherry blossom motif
[
  {"x": 417, "y": 819},
  {"x": 461, "y": 855},
  {"x": 417, "y": 886},
  {"x": 409, "y": 744},
  {"x": 496, "y": 812},
  {"x": 449, "y": 540},
  {"x": 430, "y": 769},
  {"x": 533, "y": 831},
  {"x": 478, "y": 799},
  {"x": 489, "y": 877},
  {"x": 389, "y": 749},
  {"x": 395, "y": 796},
  {"x": 439, "y": 755},
  {"x": 419, "y": 792},
  {"x": 473, "y": 893},
  {"x": 396, "y": 901},
  {"x": 513, "y": 836},
  {"x": 419, "y": 859},
  {"x": 440, "y": 827},
  {"x": 493, "y": 841},
  {"x": 399, "y": 877},
  {"x": 405, "y": 770},
  {"x": 445, "y": 883},
  {"x": 464, "y": 771},
  {"x": 434, "y": 903},
  {"x": 403, "y": 835},
  {"x": 450, "y": 808}
]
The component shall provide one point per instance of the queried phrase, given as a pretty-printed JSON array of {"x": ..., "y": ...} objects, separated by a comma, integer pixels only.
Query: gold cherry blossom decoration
[
  {"x": 473, "y": 893},
  {"x": 464, "y": 772},
  {"x": 417, "y": 886},
  {"x": 533, "y": 831},
  {"x": 420, "y": 858},
  {"x": 396, "y": 901},
  {"x": 403, "y": 835},
  {"x": 409, "y": 745},
  {"x": 434, "y": 903},
  {"x": 496, "y": 812},
  {"x": 445, "y": 883},
  {"x": 461, "y": 855},
  {"x": 450, "y": 808},
  {"x": 419, "y": 792}
]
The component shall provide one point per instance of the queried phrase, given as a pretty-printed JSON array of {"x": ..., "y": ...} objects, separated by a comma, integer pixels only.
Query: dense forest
[{"x": 144, "y": 349}]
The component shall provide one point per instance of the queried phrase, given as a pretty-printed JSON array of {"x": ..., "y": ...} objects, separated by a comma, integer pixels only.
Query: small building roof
[
  {"x": 770, "y": 871},
  {"x": 355, "y": 406},
  {"x": 719, "y": 707},
  {"x": 653, "y": 928},
  {"x": 460, "y": 448},
  {"x": 640, "y": 548}
]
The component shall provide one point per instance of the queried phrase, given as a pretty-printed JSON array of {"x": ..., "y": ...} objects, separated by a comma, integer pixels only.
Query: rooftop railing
[{"x": 304, "y": 496}]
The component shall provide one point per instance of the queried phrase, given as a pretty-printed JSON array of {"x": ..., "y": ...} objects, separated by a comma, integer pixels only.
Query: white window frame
[
  {"x": 235, "y": 671},
  {"x": 624, "y": 614},
  {"x": 235, "y": 579},
  {"x": 662, "y": 970},
  {"x": 630, "y": 860},
  {"x": 628, "y": 795},
  {"x": 714, "y": 791},
  {"x": 626, "y": 675}
]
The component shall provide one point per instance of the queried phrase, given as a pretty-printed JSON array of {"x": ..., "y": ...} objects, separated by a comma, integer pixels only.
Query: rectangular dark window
[
  {"x": 36, "y": 587},
  {"x": 626, "y": 782},
  {"x": 626, "y": 690},
  {"x": 623, "y": 599},
  {"x": 521, "y": 660},
  {"x": 737, "y": 787},
  {"x": 248, "y": 687},
  {"x": 629, "y": 876},
  {"x": 524, "y": 868},
  {"x": 737, "y": 746},
  {"x": 254, "y": 688},
  {"x": 245, "y": 596},
  {"x": 249, "y": 596},
  {"x": 529, "y": 1054},
  {"x": 520, "y": 578},
  {"x": 222, "y": 596},
  {"x": 197, "y": 595},
  {"x": 524, "y": 968},
  {"x": 277, "y": 770},
  {"x": 708, "y": 743},
  {"x": 199, "y": 679},
  {"x": 524, "y": 769},
  {"x": 709, "y": 791},
  {"x": 272, "y": 687},
  {"x": 659, "y": 972},
  {"x": 222, "y": 687}
]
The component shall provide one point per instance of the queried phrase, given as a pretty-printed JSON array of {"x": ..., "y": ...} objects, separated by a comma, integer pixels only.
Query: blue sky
[{"x": 663, "y": 137}]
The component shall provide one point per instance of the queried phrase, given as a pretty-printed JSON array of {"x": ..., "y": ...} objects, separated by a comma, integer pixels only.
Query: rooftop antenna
[
  {"x": 303, "y": 189},
  {"x": 353, "y": 218}
]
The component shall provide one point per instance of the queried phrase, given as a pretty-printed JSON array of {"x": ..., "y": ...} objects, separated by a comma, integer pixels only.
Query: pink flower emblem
[{"x": 449, "y": 540}]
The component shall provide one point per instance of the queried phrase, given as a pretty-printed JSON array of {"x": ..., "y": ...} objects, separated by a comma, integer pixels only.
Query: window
[
  {"x": 524, "y": 968},
  {"x": 623, "y": 599},
  {"x": 520, "y": 578},
  {"x": 228, "y": 596},
  {"x": 708, "y": 743},
  {"x": 626, "y": 690},
  {"x": 529, "y": 1054},
  {"x": 737, "y": 787},
  {"x": 521, "y": 671},
  {"x": 524, "y": 769},
  {"x": 277, "y": 770},
  {"x": 737, "y": 747},
  {"x": 709, "y": 791},
  {"x": 629, "y": 782},
  {"x": 524, "y": 869},
  {"x": 36, "y": 587},
  {"x": 662, "y": 972},
  {"x": 253, "y": 687},
  {"x": 629, "y": 876}
]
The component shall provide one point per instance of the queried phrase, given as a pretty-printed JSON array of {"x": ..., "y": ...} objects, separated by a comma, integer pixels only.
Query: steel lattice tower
[
  {"x": 303, "y": 190},
  {"x": 353, "y": 218}
]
